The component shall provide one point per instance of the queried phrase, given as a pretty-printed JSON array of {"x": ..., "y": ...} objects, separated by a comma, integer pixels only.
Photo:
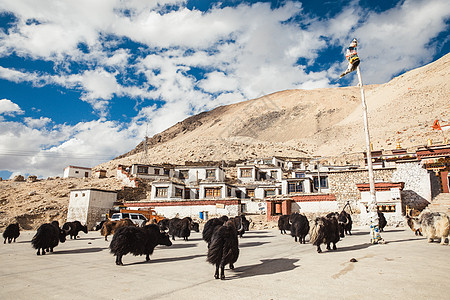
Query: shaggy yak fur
[
  {"x": 47, "y": 237},
  {"x": 381, "y": 221},
  {"x": 109, "y": 227},
  {"x": 324, "y": 231},
  {"x": 433, "y": 225},
  {"x": 138, "y": 241},
  {"x": 283, "y": 224},
  {"x": 11, "y": 233},
  {"x": 182, "y": 228},
  {"x": 299, "y": 227},
  {"x": 223, "y": 248},
  {"x": 210, "y": 227},
  {"x": 73, "y": 228}
]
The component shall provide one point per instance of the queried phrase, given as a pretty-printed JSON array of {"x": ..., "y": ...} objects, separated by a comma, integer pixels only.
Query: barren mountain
[{"x": 299, "y": 123}]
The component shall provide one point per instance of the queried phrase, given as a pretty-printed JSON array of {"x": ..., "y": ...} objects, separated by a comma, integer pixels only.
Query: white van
[{"x": 137, "y": 219}]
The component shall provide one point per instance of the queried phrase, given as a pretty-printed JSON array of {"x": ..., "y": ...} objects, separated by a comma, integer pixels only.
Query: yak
[
  {"x": 433, "y": 225},
  {"x": 47, "y": 237},
  {"x": 223, "y": 248},
  {"x": 345, "y": 221},
  {"x": 73, "y": 228},
  {"x": 210, "y": 227},
  {"x": 181, "y": 228},
  {"x": 138, "y": 241},
  {"x": 299, "y": 227},
  {"x": 241, "y": 223},
  {"x": 283, "y": 224},
  {"x": 324, "y": 231},
  {"x": 109, "y": 227},
  {"x": 164, "y": 224},
  {"x": 11, "y": 233},
  {"x": 381, "y": 221}
]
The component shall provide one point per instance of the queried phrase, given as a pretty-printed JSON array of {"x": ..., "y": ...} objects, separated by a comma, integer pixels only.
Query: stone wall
[{"x": 343, "y": 184}]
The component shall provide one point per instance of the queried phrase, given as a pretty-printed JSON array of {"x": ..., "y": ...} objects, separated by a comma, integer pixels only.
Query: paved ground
[{"x": 270, "y": 266}]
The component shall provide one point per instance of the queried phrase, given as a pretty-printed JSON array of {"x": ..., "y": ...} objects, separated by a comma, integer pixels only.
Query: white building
[
  {"x": 151, "y": 171},
  {"x": 77, "y": 172},
  {"x": 88, "y": 205},
  {"x": 193, "y": 175},
  {"x": 166, "y": 190}
]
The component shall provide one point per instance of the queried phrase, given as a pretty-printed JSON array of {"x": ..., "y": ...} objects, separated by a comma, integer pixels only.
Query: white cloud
[
  {"x": 9, "y": 108},
  {"x": 37, "y": 123}
]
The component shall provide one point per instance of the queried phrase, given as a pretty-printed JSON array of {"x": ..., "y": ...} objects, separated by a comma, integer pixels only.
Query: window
[
  {"x": 184, "y": 174},
  {"x": 161, "y": 192},
  {"x": 213, "y": 192},
  {"x": 228, "y": 192},
  {"x": 211, "y": 174},
  {"x": 299, "y": 175},
  {"x": 178, "y": 192},
  {"x": 157, "y": 171},
  {"x": 296, "y": 165},
  {"x": 250, "y": 193},
  {"x": 273, "y": 174},
  {"x": 187, "y": 194},
  {"x": 134, "y": 217},
  {"x": 141, "y": 217},
  {"x": 295, "y": 187},
  {"x": 386, "y": 208},
  {"x": 246, "y": 173},
  {"x": 125, "y": 215},
  {"x": 142, "y": 170},
  {"x": 76, "y": 172},
  {"x": 167, "y": 172},
  {"x": 268, "y": 193},
  {"x": 323, "y": 182}
]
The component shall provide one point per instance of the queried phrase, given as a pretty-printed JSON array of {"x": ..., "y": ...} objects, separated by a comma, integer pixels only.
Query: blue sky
[{"x": 82, "y": 82}]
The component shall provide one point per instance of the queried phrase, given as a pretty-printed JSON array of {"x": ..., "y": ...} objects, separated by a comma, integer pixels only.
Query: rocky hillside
[{"x": 299, "y": 123}]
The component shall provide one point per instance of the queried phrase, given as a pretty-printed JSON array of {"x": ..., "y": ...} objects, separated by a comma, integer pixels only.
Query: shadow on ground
[
  {"x": 164, "y": 260},
  {"x": 77, "y": 251},
  {"x": 266, "y": 267}
]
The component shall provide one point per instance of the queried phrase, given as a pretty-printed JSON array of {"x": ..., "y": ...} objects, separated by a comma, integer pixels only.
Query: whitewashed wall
[
  {"x": 193, "y": 211},
  {"x": 315, "y": 207},
  {"x": 254, "y": 206}
]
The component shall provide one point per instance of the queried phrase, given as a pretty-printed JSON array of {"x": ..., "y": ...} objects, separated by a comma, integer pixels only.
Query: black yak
[
  {"x": 73, "y": 228},
  {"x": 299, "y": 227},
  {"x": 138, "y": 241},
  {"x": 210, "y": 226},
  {"x": 180, "y": 228},
  {"x": 433, "y": 225},
  {"x": 109, "y": 227},
  {"x": 47, "y": 237},
  {"x": 345, "y": 221},
  {"x": 241, "y": 223},
  {"x": 381, "y": 221},
  {"x": 283, "y": 224},
  {"x": 11, "y": 233},
  {"x": 164, "y": 224},
  {"x": 223, "y": 248},
  {"x": 324, "y": 231},
  {"x": 335, "y": 215}
]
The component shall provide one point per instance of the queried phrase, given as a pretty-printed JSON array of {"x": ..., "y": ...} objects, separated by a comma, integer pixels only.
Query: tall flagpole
[
  {"x": 372, "y": 204},
  {"x": 353, "y": 64}
]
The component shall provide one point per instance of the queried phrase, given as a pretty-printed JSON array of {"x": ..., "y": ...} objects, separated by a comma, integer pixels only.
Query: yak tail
[{"x": 314, "y": 233}]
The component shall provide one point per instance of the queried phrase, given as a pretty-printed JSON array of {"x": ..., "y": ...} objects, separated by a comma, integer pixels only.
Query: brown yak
[{"x": 109, "y": 227}]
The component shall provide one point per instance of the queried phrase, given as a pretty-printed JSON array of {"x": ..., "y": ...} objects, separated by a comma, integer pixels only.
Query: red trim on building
[
  {"x": 182, "y": 203},
  {"x": 314, "y": 198},
  {"x": 433, "y": 151},
  {"x": 381, "y": 186}
]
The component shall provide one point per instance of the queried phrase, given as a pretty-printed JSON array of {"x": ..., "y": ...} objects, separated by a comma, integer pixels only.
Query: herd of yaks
[{"x": 221, "y": 234}]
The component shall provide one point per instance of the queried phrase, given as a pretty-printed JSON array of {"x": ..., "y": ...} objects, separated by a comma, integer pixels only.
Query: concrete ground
[{"x": 270, "y": 266}]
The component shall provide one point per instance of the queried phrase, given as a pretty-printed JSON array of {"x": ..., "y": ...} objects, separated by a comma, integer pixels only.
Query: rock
[
  {"x": 32, "y": 178},
  {"x": 32, "y": 193},
  {"x": 19, "y": 178}
]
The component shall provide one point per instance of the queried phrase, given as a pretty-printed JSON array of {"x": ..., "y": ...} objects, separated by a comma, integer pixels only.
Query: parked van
[{"x": 137, "y": 219}]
